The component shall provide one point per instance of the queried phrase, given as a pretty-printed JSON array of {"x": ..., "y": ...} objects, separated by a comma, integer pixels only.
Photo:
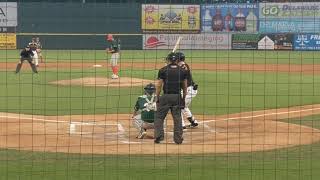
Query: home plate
[{"x": 97, "y": 65}]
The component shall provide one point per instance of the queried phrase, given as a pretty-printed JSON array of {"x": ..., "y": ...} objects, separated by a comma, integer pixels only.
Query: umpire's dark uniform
[
  {"x": 26, "y": 54},
  {"x": 173, "y": 78}
]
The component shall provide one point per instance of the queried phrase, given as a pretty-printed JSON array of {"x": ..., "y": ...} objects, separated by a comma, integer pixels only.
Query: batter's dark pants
[
  {"x": 19, "y": 65},
  {"x": 169, "y": 102}
]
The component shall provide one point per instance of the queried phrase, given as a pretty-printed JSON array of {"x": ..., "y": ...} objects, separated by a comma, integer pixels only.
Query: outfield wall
[
  {"x": 74, "y": 18},
  {"x": 278, "y": 26}
]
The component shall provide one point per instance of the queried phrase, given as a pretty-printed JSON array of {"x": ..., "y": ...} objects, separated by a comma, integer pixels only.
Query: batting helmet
[
  {"x": 109, "y": 37},
  {"x": 150, "y": 89},
  {"x": 181, "y": 56},
  {"x": 172, "y": 57}
]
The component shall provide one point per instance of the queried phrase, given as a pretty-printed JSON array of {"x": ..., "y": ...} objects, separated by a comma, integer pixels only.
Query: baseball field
[{"x": 258, "y": 113}]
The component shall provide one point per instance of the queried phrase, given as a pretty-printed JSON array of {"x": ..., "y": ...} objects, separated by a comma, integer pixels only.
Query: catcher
[
  {"x": 192, "y": 91},
  {"x": 144, "y": 111}
]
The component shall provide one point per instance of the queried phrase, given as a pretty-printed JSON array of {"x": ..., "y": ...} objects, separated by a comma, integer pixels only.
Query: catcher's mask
[
  {"x": 172, "y": 58},
  {"x": 181, "y": 56},
  {"x": 150, "y": 89}
]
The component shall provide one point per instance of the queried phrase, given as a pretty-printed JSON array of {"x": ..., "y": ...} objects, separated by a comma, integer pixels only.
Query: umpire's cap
[
  {"x": 181, "y": 56},
  {"x": 172, "y": 57},
  {"x": 150, "y": 88}
]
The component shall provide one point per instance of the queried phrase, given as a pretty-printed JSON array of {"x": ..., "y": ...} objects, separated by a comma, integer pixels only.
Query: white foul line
[
  {"x": 58, "y": 121},
  {"x": 261, "y": 115},
  {"x": 35, "y": 119}
]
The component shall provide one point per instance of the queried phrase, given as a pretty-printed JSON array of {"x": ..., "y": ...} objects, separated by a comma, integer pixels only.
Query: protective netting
[{"x": 84, "y": 101}]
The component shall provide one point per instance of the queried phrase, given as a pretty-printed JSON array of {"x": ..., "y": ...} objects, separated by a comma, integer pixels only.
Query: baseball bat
[{"x": 177, "y": 44}]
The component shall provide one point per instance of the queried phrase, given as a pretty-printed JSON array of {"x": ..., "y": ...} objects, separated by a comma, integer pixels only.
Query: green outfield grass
[
  {"x": 219, "y": 93},
  {"x": 194, "y": 56}
]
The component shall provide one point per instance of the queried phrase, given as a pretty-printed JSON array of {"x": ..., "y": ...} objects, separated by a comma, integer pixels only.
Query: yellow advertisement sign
[
  {"x": 8, "y": 41},
  {"x": 170, "y": 17}
]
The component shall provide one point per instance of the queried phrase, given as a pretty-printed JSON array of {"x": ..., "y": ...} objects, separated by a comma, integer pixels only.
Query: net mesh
[{"x": 77, "y": 108}]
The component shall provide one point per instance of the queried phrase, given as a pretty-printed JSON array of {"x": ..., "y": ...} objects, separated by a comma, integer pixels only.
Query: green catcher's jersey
[{"x": 147, "y": 107}]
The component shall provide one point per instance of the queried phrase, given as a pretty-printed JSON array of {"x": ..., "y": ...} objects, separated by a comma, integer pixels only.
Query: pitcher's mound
[{"x": 104, "y": 82}]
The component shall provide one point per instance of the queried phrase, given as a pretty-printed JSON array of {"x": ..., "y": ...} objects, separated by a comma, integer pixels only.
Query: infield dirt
[{"x": 114, "y": 133}]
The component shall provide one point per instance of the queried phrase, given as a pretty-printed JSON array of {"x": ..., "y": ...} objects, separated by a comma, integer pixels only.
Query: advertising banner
[
  {"x": 8, "y": 14},
  {"x": 245, "y": 41},
  {"x": 282, "y": 41},
  {"x": 167, "y": 18},
  {"x": 307, "y": 41},
  {"x": 263, "y": 41},
  {"x": 189, "y": 41},
  {"x": 229, "y": 18},
  {"x": 8, "y": 41},
  {"x": 302, "y": 17},
  {"x": 289, "y": 26},
  {"x": 289, "y": 10}
]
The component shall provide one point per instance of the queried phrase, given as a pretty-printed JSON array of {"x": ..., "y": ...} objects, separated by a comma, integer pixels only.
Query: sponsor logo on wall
[
  {"x": 289, "y": 10},
  {"x": 8, "y": 41},
  {"x": 170, "y": 18},
  {"x": 289, "y": 17},
  {"x": 281, "y": 41},
  {"x": 245, "y": 41},
  {"x": 8, "y": 14},
  {"x": 263, "y": 41},
  {"x": 189, "y": 41},
  {"x": 229, "y": 18},
  {"x": 307, "y": 42}
]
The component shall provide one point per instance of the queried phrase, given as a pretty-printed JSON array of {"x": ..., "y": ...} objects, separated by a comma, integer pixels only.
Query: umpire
[
  {"x": 172, "y": 78},
  {"x": 27, "y": 55}
]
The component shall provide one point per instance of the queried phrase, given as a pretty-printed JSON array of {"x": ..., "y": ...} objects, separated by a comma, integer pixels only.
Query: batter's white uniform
[
  {"x": 186, "y": 111},
  {"x": 191, "y": 93},
  {"x": 35, "y": 58}
]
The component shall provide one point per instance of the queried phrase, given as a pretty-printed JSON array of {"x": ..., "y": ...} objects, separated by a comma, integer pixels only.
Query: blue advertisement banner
[
  {"x": 307, "y": 42},
  {"x": 289, "y": 26},
  {"x": 229, "y": 18}
]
